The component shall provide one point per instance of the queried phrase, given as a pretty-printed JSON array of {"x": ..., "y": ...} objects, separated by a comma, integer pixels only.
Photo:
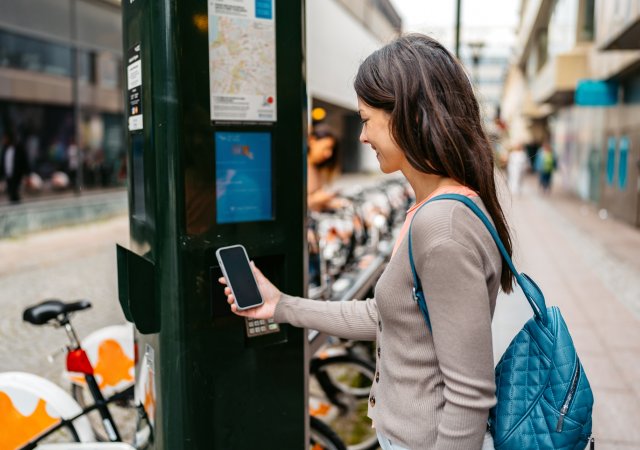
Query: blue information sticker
[
  {"x": 264, "y": 9},
  {"x": 243, "y": 177}
]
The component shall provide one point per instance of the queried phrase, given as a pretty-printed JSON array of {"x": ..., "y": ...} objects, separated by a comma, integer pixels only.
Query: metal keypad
[{"x": 259, "y": 327}]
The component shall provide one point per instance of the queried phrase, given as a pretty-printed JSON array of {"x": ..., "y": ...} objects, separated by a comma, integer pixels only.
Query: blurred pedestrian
[
  {"x": 13, "y": 165},
  {"x": 322, "y": 159},
  {"x": 516, "y": 167},
  {"x": 433, "y": 387},
  {"x": 546, "y": 164},
  {"x": 73, "y": 163}
]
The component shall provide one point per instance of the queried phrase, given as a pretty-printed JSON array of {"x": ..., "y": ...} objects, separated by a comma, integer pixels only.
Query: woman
[
  {"x": 545, "y": 165},
  {"x": 322, "y": 158},
  {"x": 431, "y": 390},
  {"x": 516, "y": 167}
]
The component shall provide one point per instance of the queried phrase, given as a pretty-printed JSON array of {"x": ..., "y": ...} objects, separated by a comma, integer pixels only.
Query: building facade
[
  {"x": 61, "y": 75},
  {"x": 575, "y": 80},
  {"x": 340, "y": 35},
  {"x": 60, "y": 87}
]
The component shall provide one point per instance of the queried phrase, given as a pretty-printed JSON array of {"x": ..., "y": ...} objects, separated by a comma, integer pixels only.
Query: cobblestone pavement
[{"x": 70, "y": 263}]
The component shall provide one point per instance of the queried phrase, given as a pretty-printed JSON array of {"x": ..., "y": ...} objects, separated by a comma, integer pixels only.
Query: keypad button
[{"x": 273, "y": 326}]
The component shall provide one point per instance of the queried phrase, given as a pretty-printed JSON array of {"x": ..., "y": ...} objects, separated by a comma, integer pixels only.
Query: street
[{"x": 588, "y": 266}]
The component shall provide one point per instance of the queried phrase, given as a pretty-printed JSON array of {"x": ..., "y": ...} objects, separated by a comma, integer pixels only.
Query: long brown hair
[{"x": 435, "y": 118}]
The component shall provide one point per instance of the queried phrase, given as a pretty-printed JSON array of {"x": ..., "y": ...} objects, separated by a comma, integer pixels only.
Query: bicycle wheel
[
  {"x": 346, "y": 381},
  {"x": 346, "y": 374},
  {"x": 322, "y": 437}
]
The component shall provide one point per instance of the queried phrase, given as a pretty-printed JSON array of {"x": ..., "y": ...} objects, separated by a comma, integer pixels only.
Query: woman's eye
[{"x": 363, "y": 121}]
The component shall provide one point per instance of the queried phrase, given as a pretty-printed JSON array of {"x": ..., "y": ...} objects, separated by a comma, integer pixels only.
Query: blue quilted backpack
[{"x": 544, "y": 397}]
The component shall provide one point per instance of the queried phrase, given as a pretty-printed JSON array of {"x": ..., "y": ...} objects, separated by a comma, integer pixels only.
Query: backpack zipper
[{"x": 567, "y": 401}]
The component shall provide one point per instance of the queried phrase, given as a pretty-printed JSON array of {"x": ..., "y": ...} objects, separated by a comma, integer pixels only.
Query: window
[
  {"x": 109, "y": 71},
  {"x": 86, "y": 67},
  {"x": 21, "y": 52},
  {"x": 563, "y": 27},
  {"x": 587, "y": 28},
  {"x": 542, "y": 48}
]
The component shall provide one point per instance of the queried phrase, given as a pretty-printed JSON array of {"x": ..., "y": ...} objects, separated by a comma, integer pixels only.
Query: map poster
[{"x": 242, "y": 60}]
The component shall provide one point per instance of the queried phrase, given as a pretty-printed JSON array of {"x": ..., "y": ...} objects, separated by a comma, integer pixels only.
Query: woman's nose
[{"x": 363, "y": 137}]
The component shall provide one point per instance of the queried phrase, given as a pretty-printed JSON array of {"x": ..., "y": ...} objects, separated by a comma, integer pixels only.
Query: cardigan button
[
  {"x": 378, "y": 351},
  {"x": 372, "y": 400},
  {"x": 377, "y": 377},
  {"x": 380, "y": 325}
]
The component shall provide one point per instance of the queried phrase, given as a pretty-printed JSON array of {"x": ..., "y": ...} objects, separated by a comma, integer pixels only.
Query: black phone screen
[{"x": 240, "y": 277}]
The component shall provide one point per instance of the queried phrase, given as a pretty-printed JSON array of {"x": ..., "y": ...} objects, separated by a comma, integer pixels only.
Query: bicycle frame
[{"x": 78, "y": 361}]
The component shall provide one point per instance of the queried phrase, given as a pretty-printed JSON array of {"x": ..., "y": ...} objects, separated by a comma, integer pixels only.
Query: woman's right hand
[{"x": 270, "y": 294}]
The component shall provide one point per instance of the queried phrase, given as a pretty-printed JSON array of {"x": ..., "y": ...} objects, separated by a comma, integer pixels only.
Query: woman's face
[
  {"x": 321, "y": 149},
  {"x": 377, "y": 133}
]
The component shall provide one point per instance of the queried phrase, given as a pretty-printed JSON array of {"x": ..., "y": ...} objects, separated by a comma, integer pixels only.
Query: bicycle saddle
[{"x": 50, "y": 309}]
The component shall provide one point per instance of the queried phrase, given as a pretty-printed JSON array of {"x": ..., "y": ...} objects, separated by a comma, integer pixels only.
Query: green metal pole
[{"x": 215, "y": 388}]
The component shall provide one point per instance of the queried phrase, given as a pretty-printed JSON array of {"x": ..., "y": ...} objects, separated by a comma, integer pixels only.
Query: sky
[{"x": 494, "y": 21}]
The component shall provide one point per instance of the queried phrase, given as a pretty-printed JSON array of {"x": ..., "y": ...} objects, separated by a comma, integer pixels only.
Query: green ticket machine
[{"x": 217, "y": 114}]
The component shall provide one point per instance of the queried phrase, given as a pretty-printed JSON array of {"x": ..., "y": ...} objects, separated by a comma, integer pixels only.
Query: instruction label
[{"x": 134, "y": 88}]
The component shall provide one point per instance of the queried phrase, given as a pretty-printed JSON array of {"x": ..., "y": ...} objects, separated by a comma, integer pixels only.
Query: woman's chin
[{"x": 385, "y": 170}]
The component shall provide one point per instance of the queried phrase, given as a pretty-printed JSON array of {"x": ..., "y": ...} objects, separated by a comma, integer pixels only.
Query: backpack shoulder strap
[{"x": 532, "y": 292}]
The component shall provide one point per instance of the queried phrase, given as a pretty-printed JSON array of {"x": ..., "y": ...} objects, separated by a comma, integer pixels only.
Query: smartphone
[{"x": 234, "y": 263}]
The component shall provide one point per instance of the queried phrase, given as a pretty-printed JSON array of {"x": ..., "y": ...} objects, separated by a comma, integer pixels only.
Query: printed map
[{"x": 242, "y": 57}]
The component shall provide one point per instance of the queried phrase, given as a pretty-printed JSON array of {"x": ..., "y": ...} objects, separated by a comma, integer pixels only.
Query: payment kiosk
[{"x": 216, "y": 116}]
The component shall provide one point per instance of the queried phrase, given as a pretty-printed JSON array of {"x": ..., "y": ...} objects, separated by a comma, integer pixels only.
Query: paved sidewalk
[{"x": 590, "y": 268}]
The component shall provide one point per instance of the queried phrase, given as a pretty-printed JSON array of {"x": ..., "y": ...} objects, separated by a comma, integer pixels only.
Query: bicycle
[{"x": 34, "y": 409}]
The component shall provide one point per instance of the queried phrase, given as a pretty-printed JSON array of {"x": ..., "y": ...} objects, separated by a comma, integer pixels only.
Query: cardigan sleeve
[
  {"x": 350, "y": 320},
  {"x": 457, "y": 298}
]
